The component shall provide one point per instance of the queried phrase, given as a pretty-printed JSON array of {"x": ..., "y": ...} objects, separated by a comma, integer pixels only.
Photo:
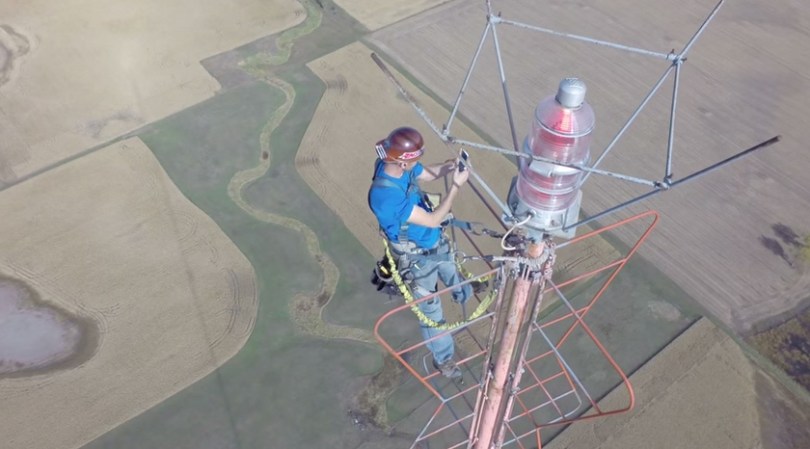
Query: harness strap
[
  {"x": 409, "y": 299},
  {"x": 411, "y": 249},
  {"x": 385, "y": 183},
  {"x": 473, "y": 227}
]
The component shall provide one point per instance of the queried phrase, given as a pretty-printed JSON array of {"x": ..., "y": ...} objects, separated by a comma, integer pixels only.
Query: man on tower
[{"x": 413, "y": 229}]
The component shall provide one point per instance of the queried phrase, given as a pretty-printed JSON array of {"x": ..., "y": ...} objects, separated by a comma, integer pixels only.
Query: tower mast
[{"x": 503, "y": 378}]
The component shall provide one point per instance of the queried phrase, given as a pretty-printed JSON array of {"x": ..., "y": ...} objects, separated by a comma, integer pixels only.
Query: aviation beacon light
[{"x": 561, "y": 132}]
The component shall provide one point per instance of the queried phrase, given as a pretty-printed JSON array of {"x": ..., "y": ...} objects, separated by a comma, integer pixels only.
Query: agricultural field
[{"x": 188, "y": 220}]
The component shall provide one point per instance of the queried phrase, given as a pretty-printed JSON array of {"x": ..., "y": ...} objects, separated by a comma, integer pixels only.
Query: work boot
[{"x": 449, "y": 369}]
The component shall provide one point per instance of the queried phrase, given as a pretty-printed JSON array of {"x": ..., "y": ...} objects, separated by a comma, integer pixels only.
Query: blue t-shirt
[{"x": 392, "y": 207}]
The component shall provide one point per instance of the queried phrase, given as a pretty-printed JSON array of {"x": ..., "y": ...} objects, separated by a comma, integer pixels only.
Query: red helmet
[{"x": 403, "y": 144}]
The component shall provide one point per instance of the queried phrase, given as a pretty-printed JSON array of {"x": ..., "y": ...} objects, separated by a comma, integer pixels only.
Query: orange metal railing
[{"x": 551, "y": 393}]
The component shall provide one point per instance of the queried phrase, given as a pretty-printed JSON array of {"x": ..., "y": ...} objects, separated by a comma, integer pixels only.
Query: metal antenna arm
[
  {"x": 700, "y": 30},
  {"x": 407, "y": 96},
  {"x": 664, "y": 187},
  {"x": 717, "y": 165}
]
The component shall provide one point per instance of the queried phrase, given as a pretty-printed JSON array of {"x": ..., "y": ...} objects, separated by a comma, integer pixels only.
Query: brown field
[
  {"x": 744, "y": 82},
  {"x": 701, "y": 391},
  {"x": 375, "y": 14},
  {"x": 109, "y": 240},
  {"x": 77, "y": 75}
]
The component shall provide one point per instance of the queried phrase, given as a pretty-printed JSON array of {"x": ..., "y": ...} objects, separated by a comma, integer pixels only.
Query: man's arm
[
  {"x": 434, "y": 219},
  {"x": 436, "y": 171}
]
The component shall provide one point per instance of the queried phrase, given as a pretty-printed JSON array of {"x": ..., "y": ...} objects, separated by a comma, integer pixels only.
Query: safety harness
[
  {"x": 409, "y": 299},
  {"x": 413, "y": 187},
  {"x": 389, "y": 276}
]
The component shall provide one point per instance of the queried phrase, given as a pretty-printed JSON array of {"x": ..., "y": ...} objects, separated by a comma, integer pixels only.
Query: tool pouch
[{"x": 382, "y": 277}]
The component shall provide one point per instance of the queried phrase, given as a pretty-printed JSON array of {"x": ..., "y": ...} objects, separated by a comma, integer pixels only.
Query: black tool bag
[{"x": 382, "y": 277}]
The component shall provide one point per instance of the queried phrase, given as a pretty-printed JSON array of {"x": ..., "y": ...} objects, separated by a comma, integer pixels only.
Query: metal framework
[
  {"x": 524, "y": 381},
  {"x": 674, "y": 61},
  {"x": 545, "y": 390}
]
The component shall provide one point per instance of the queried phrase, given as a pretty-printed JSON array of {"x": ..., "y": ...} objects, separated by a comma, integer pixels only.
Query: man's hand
[
  {"x": 463, "y": 160},
  {"x": 434, "y": 219},
  {"x": 460, "y": 177}
]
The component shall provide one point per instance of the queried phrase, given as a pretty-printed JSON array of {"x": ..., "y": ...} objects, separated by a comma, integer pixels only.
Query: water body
[{"x": 35, "y": 337}]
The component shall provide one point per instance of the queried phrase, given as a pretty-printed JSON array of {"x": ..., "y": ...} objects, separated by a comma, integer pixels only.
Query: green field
[{"x": 285, "y": 388}]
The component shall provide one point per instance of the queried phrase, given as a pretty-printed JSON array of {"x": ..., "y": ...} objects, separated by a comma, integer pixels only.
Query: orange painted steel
[
  {"x": 550, "y": 386},
  {"x": 496, "y": 403}
]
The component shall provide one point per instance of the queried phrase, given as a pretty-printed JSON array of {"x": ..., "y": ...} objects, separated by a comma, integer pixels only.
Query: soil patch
[
  {"x": 13, "y": 45},
  {"x": 788, "y": 346}
]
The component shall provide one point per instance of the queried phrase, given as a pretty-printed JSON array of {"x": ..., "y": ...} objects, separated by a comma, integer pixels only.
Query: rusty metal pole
[
  {"x": 536, "y": 305},
  {"x": 491, "y": 411}
]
